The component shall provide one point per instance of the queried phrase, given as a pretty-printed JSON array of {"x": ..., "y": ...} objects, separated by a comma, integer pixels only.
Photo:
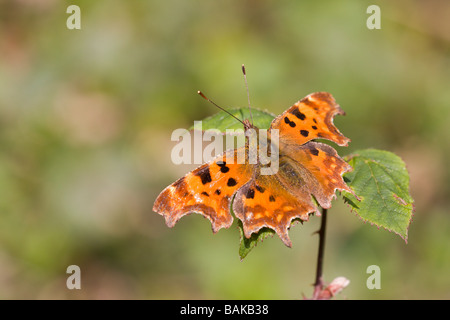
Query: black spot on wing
[
  {"x": 260, "y": 189},
  {"x": 314, "y": 151},
  {"x": 289, "y": 122},
  {"x": 296, "y": 112},
  {"x": 204, "y": 175},
  {"x": 223, "y": 166},
  {"x": 250, "y": 193},
  {"x": 231, "y": 182}
]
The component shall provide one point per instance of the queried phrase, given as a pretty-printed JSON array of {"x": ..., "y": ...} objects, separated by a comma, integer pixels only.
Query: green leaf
[
  {"x": 222, "y": 121},
  {"x": 247, "y": 244},
  {"x": 381, "y": 181}
]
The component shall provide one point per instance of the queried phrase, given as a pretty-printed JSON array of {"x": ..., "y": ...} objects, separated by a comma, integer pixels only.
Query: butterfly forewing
[
  {"x": 310, "y": 118},
  {"x": 207, "y": 190}
]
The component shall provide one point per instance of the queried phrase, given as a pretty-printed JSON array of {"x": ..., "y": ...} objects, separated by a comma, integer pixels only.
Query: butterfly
[{"x": 307, "y": 170}]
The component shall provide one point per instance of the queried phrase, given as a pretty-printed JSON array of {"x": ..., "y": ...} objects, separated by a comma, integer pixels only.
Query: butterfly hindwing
[
  {"x": 317, "y": 168},
  {"x": 265, "y": 202}
]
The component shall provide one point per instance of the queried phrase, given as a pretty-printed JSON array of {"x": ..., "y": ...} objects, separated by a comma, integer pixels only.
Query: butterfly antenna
[
  {"x": 209, "y": 100},
  {"x": 248, "y": 94}
]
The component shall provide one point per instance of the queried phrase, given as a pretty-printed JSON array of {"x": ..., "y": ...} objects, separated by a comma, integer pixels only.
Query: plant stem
[{"x": 318, "y": 284}]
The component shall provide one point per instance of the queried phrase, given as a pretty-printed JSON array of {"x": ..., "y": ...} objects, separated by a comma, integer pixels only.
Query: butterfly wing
[
  {"x": 318, "y": 167},
  {"x": 306, "y": 169},
  {"x": 266, "y": 202},
  {"x": 207, "y": 190},
  {"x": 273, "y": 201},
  {"x": 310, "y": 118}
]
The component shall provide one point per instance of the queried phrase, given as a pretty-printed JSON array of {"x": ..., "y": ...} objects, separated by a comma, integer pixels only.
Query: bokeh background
[{"x": 86, "y": 118}]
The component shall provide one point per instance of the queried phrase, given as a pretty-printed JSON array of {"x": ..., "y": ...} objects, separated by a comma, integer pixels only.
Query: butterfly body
[{"x": 305, "y": 169}]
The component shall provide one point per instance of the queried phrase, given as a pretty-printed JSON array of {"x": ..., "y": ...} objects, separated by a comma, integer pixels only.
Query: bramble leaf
[
  {"x": 222, "y": 121},
  {"x": 381, "y": 181},
  {"x": 247, "y": 244}
]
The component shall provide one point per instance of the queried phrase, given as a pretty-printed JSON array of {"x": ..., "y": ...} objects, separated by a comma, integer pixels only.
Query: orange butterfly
[{"x": 306, "y": 169}]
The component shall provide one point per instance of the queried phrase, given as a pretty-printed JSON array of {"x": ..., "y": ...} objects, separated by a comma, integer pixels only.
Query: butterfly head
[{"x": 248, "y": 125}]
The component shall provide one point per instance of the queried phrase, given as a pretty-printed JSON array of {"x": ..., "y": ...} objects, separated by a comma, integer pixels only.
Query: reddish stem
[{"x": 318, "y": 284}]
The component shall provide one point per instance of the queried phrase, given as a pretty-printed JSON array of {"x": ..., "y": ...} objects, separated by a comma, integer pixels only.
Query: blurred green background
[{"x": 86, "y": 118}]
